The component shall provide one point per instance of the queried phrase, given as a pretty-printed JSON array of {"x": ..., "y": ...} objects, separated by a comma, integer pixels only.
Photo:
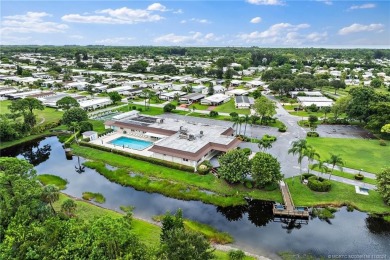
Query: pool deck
[
  {"x": 104, "y": 141},
  {"x": 288, "y": 209}
]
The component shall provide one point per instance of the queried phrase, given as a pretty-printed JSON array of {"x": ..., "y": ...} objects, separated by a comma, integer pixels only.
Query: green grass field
[
  {"x": 152, "y": 111},
  {"x": 356, "y": 153},
  {"x": 229, "y": 107},
  {"x": 43, "y": 116},
  {"x": 174, "y": 178},
  {"x": 340, "y": 194},
  {"x": 148, "y": 233}
]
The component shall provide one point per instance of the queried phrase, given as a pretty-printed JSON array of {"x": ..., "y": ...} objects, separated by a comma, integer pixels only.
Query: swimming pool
[{"x": 131, "y": 143}]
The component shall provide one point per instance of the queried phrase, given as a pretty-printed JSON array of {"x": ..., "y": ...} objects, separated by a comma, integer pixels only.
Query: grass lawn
[
  {"x": 171, "y": 182},
  {"x": 340, "y": 194},
  {"x": 49, "y": 114},
  {"x": 229, "y": 107},
  {"x": 152, "y": 111},
  {"x": 356, "y": 153},
  {"x": 148, "y": 233},
  {"x": 198, "y": 106},
  {"x": 98, "y": 125},
  {"x": 47, "y": 179}
]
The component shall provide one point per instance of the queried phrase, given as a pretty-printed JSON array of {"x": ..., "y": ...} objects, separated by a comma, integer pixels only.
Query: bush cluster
[
  {"x": 269, "y": 137},
  {"x": 359, "y": 176},
  {"x": 204, "y": 167},
  {"x": 282, "y": 129},
  {"x": 382, "y": 143},
  {"x": 42, "y": 128},
  {"x": 247, "y": 151},
  {"x": 140, "y": 157},
  {"x": 319, "y": 184},
  {"x": 307, "y": 175},
  {"x": 312, "y": 134}
]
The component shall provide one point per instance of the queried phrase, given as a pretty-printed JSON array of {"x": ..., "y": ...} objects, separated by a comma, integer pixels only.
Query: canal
[{"x": 252, "y": 226}]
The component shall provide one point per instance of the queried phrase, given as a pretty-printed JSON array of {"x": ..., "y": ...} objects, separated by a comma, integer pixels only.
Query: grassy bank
[
  {"x": 24, "y": 139},
  {"x": 209, "y": 232},
  {"x": 340, "y": 194},
  {"x": 97, "y": 197},
  {"x": 47, "y": 179},
  {"x": 171, "y": 182},
  {"x": 356, "y": 153},
  {"x": 148, "y": 233}
]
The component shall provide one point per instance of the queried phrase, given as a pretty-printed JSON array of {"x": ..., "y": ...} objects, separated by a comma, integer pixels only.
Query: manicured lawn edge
[
  {"x": 340, "y": 195},
  {"x": 171, "y": 182}
]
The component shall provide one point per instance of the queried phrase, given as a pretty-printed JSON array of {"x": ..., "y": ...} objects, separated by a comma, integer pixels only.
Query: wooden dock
[{"x": 288, "y": 209}]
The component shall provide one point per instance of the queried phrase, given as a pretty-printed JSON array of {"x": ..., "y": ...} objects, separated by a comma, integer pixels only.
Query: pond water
[{"x": 252, "y": 226}]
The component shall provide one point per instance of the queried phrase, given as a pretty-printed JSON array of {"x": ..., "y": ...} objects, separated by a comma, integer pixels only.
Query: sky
[{"x": 264, "y": 23}]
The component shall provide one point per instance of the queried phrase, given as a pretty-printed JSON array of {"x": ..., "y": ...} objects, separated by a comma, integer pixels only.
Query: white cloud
[
  {"x": 327, "y": 2},
  {"x": 122, "y": 15},
  {"x": 283, "y": 34},
  {"x": 115, "y": 41},
  {"x": 256, "y": 20},
  {"x": 265, "y": 2},
  {"x": 194, "y": 38},
  {"x": 30, "y": 22},
  {"x": 363, "y": 6},
  {"x": 157, "y": 7},
  {"x": 354, "y": 28},
  {"x": 196, "y": 20},
  {"x": 178, "y": 11}
]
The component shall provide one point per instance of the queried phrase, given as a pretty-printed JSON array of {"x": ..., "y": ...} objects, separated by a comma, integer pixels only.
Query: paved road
[{"x": 289, "y": 164}]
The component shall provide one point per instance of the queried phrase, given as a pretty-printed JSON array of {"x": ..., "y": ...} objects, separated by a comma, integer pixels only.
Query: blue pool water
[{"x": 131, "y": 143}]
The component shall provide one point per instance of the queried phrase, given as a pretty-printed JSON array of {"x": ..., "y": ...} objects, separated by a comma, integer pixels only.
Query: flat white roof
[
  {"x": 318, "y": 104},
  {"x": 96, "y": 101},
  {"x": 217, "y": 97},
  {"x": 314, "y": 99}
]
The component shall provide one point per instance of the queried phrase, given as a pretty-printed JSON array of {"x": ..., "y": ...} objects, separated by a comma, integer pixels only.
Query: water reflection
[
  {"x": 253, "y": 227},
  {"x": 79, "y": 167}
]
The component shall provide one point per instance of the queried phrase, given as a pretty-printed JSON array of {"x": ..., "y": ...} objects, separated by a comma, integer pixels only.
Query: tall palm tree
[
  {"x": 236, "y": 121},
  {"x": 321, "y": 166},
  {"x": 311, "y": 155},
  {"x": 75, "y": 126},
  {"x": 298, "y": 147},
  {"x": 50, "y": 194},
  {"x": 335, "y": 159},
  {"x": 246, "y": 120},
  {"x": 240, "y": 121}
]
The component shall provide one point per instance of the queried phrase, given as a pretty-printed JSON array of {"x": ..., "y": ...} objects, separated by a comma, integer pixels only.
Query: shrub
[
  {"x": 307, "y": 175},
  {"x": 312, "y": 134},
  {"x": 213, "y": 114},
  {"x": 359, "y": 176},
  {"x": 134, "y": 107},
  {"x": 204, "y": 167},
  {"x": 282, "y": 129},
  {"x": 247, "y": 151},
  {"x": 319, "y": 184},
  {"x": 382, "y": 143},
  {"x": 169, "y": 107},
  {"x": 248, "y": 184},
  {"x": 269, "y": 138},
  {"x": 236, "y": 255}
]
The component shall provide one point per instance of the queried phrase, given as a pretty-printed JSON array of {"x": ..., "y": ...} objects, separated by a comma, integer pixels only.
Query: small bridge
[{"x": 288, "y": 209}]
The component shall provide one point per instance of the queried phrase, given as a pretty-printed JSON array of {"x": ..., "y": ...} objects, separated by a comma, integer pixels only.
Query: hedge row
[
  {"x": 319, "y": 184},
  {"x": 140, "y": 157}
]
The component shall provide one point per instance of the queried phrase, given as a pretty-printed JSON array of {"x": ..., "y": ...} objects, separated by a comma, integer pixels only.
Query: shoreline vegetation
[
  {"x": 47, "y": 179},
  {"x": 191, "y": 186},
  {"x": 148, "y": 231},
  {"x": 171, "y": 182},
  {"x": 92, "y": 196}
]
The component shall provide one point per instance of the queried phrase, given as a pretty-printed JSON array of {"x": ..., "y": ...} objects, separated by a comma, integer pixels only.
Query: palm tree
[
  {"x": 311, "y": 155},
  {"x": 264, "y": 144},
  {"x": 321, "y": 166},
  {"x": 236, "y": 121},
  {"x": 240, "y": 121},
  {"x": 246, "y": 120},
  {"x": 50, "y": 194},
  {"x": 335, "y": 159},
  {"x": 299, "y": 147},
  {"x": 75, "y": 127},
  {"x": 68, "y": 207}
]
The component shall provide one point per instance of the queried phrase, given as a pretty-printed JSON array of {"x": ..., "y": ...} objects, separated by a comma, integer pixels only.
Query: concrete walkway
[{"x": 354, "y": 171}]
